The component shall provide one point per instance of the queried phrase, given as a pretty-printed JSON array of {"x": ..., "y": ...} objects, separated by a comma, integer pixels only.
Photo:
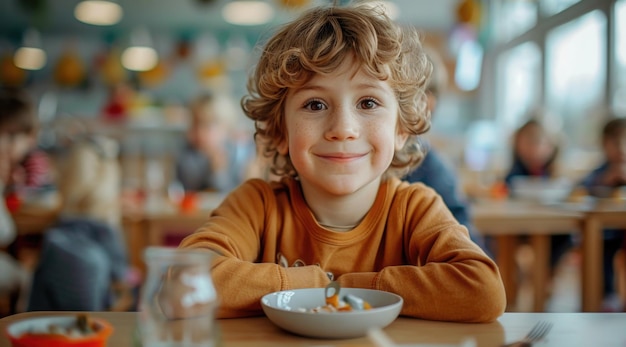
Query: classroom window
[
  {"x": 513, "y": 18},
  {"x": 576, "y": 75},
  {"x": 551, "y": 7},
  {"x": 619, "y": 95},
  {"x": 520, "y": 83}
]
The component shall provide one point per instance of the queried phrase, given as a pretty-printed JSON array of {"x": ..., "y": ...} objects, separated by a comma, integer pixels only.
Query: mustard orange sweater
[{"x": 408, "y": 243}]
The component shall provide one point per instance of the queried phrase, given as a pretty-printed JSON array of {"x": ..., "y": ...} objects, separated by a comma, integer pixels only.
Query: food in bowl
[
  {"x": 59, "y": 331},
  {"x": 334, "y": 303},
  {"x": 293, "y": 311},
  {"x": 348, "y": 303}
]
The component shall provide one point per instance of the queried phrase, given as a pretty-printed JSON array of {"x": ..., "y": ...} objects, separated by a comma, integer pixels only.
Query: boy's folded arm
[
  {"x": 465, "y": 291},
  {"x": 241, "y": 284}
]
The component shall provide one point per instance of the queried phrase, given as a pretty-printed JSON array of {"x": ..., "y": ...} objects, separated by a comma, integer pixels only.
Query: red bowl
[{"x": 20, "y": 332}]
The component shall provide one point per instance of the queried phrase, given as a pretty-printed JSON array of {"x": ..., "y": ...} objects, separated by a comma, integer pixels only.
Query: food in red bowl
[{"x": 60, "y": 331}]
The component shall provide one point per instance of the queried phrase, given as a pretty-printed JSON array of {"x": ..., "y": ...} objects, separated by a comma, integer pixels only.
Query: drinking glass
[{"x": 178, "y": 300}]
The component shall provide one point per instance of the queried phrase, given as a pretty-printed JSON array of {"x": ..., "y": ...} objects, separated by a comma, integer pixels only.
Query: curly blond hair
[{"x": 317, "y": 43}]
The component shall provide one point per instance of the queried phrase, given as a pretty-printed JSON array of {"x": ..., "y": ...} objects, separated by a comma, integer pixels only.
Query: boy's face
[{"x": 341, "y": 131}]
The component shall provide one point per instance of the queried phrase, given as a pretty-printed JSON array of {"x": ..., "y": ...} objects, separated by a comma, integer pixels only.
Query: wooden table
[
  {"x": 506, "y": 220},
  {"x": 153, "y": 229},
  {"x": 599, "y": 215},
  {"x": 570, "y": 329}
]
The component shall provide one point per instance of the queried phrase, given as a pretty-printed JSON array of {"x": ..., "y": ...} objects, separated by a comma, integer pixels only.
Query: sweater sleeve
[
  {"x": 446, "y": 276},
  {"x": 243, "y": 274}
]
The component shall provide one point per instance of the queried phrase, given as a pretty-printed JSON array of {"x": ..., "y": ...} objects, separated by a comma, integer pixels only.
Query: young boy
[{"x": 338, "y": 101}]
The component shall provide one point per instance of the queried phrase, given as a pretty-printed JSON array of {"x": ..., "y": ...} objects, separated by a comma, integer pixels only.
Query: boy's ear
[{"x": 283, "y": 147}]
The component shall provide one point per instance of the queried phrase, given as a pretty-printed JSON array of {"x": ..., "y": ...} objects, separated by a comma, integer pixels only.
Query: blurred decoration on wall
[
  {"x": 207, "y": 57},
  {"x": 469, "y": 12},
  {"x": 465, "y": 45},
  {"x": 119, "y": 102},
  {"x": 110, "y": 67},
  {"x": 237, "y": 52},
  {"x": 11, "y": 75},
  {"x": 293, "y": 4},
  {"x": 155, "y": 76},
  {"x": 98, "y": 12},
  {"x": 184, "y": 47},
  {"x": 69, "y": 70},
  {"x": 211, "y": 70}
]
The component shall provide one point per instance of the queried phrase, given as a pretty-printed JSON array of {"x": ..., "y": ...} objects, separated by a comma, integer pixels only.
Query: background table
[
  {"x": 506, "y": 221},
  {"x": 598, "y": 216},
  {"x": 570, "y": 329}
]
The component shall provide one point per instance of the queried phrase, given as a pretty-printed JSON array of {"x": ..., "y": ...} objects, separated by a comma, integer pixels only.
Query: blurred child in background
[
  {"x": 22, "y": 166},
  {"x": 30, "y": 167},
  {"x": 608, "y": 181},
  {"x": 83, "y": 264},
  {"x": 11, "y": 273},
  {"x": 534, "y": 153},
  {"x": 610, "y": 176},
  {"x": 211, "y": 159}
]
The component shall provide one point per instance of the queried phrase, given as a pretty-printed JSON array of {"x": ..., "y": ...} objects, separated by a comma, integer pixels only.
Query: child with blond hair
[
  {"x": 210, "y": 159},
  {"x": 338, "y": 103}
]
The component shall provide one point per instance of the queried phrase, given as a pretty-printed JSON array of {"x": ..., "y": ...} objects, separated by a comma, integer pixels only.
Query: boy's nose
[{"x": 343, "y": 125}]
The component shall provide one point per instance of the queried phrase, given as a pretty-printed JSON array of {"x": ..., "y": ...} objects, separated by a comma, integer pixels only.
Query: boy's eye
[
  {"x": 368, "y": 103},
  {"x": 315, "y": 105}
]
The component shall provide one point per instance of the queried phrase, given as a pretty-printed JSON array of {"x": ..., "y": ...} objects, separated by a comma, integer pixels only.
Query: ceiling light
[
  {"x": 98, "y": 12},
  {"x": 247, "y": 12},
  {"x": 140, "y": 56},
  {"x": 30, "y": 56}
]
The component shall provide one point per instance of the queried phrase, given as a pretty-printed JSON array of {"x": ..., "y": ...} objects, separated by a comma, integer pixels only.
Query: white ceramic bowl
[{"x": 284, "y": 309}]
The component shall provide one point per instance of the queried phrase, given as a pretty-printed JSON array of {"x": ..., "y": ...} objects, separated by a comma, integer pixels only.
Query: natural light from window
[
  {"x": 513, "y": 18},
  {"x": 575, "y": 76},
  {"x": 619, "y": 96},
  {"x": 551, "y": 7},
  {"x": 520, "y": 83}
]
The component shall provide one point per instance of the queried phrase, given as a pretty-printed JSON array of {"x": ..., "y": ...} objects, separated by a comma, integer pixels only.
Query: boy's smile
[{"x": 342, "y": 133}]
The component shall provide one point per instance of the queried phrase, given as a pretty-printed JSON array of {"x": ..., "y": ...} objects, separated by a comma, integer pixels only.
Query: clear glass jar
[{"x": 178, "y": 300}]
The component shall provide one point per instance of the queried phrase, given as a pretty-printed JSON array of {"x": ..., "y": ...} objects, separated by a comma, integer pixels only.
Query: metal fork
[{"x": 538, "y": 332}]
